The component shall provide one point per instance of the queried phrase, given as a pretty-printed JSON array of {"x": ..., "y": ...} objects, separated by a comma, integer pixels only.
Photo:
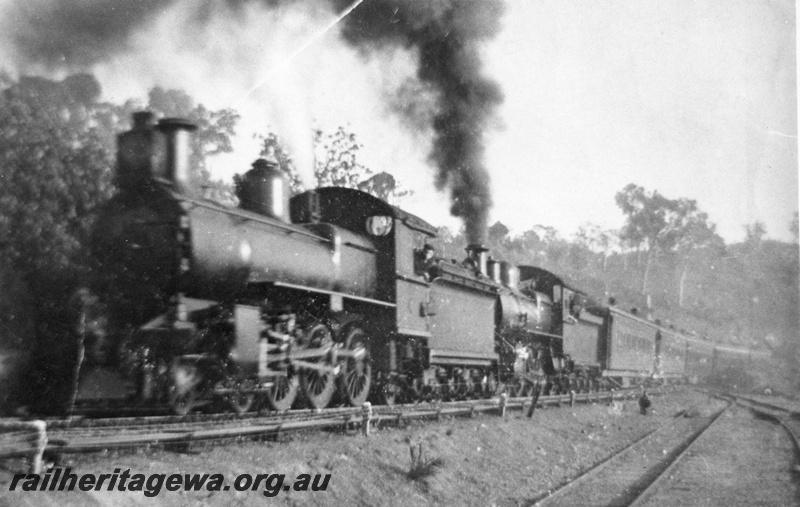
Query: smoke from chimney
[{"x": 445, "y": 35}]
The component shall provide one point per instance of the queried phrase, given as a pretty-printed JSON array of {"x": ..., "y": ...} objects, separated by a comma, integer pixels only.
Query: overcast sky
[{"x": 694, "y": 98}]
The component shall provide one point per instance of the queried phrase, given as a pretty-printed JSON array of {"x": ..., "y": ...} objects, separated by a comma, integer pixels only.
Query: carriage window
[{"x": 379, "y": 225}]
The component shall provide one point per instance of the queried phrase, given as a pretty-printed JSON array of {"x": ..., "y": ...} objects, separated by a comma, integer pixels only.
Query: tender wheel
[
  {"x": 389, "y": 393},
  {"x": 241, "y": 401},
  {"x": 283, "y": 392},
  {"x": 519, "y": 388},
  {"x": 355, "y": 378},
  {"x": 415, "y": 391},
  {"x": 318, "y": 386},
  {"x": 467, "y": 386}
]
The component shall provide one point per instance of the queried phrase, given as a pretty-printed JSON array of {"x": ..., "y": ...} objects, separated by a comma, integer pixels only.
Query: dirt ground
[{"x": 483, "y": 460}]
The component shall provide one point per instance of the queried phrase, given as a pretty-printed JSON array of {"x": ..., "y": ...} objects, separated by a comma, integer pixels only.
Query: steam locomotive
[{"x": 330, "y": 296}]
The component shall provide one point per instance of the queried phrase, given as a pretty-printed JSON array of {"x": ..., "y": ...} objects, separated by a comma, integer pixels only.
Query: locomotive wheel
[
  {"x": 183, "y": 403},
  {"x": 355, "y": 378},
  {"x": 318, "y": 386},
  {"x": 183, "y": 393},
  {"x": 490, "y": 386},
  {"x": 283, "y": 392},
  {"x": 240, "y": 401}
]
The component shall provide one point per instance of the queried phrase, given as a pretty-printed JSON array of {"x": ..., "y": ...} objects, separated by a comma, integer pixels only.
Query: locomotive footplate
[{"x": 262, "y": 388}]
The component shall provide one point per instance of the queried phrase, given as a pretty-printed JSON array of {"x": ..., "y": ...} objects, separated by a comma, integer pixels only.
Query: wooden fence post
[{"x": 366, "y": 412}]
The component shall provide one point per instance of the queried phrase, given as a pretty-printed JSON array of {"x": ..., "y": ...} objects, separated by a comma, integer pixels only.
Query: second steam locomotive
[{"x": 330, "y": 296}]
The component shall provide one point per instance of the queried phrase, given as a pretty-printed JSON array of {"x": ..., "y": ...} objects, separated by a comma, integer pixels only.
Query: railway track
[
  {"x": 785, "y": 415},
  {"x": 633, "y": 473},
  {"x": 80, "y": 435},
  {"x": 741, "y": 456}
]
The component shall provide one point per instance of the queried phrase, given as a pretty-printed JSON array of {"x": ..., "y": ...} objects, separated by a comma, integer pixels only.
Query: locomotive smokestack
[
  {"x": 177, "y": 152},
  {"x": 479, "y": 255},
  {"x": 136, "y": 153}
]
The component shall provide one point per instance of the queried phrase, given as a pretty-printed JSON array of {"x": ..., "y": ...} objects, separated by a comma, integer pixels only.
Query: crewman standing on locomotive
[{"x": 423, "y": 259}]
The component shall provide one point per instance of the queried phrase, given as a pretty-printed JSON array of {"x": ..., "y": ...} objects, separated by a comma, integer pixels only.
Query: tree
[
  {"x": 597, "y": 239},
  {"x": 384, "y": 186},
  {"x": 754, "y": 234},
  {"x": 699, "y": 235},
  {"x": 215, "y": 130},
  {"x": 336, "y": 164},
  {"x": 658, "y": 223},
  {"x": 56, "y": 158},
  {"x": 56, "y": 155}
]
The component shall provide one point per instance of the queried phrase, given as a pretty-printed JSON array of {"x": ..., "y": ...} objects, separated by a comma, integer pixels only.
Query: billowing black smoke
[
  {"x": 78, "y": 33},
  {"x": 446, "y": 34}
]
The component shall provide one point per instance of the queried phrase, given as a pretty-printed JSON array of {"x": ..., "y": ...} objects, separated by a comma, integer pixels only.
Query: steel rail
[
  {"x": 673, "y": 461},
  {"x": 778, "y": 414},
  {"x": 597, "y": 468}
]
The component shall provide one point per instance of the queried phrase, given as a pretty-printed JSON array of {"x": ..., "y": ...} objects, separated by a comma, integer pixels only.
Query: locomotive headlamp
[{"x": 379, "y": 225}]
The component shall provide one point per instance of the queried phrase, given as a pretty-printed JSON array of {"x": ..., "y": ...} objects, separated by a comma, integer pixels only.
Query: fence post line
[
  {"x": 39, "y": 445},
  {"x": 366, "y": 412},
  {"x": 503, "y": 401}
]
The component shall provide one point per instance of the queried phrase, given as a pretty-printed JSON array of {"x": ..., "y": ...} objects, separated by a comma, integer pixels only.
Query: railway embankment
[{"x": 480, "y": 460}]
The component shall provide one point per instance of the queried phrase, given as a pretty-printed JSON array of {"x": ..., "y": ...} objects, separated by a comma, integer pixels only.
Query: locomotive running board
[
  {"x": 443, "y": 357},
  {"x": 334, "y": 293}
]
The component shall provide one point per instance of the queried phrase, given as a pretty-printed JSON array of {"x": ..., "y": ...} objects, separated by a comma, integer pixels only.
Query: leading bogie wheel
[
  {"x": 244, "y": 398},
  {"x": 283, "y": 392}
]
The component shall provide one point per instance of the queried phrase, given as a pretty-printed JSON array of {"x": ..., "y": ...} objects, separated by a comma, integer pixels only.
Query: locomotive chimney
[
  {"x": 137, "y": 159},
  {"x": 479, "y": 255},
  {"x": 265, "y": 189},
  {"x": 177, "y": 152}
]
